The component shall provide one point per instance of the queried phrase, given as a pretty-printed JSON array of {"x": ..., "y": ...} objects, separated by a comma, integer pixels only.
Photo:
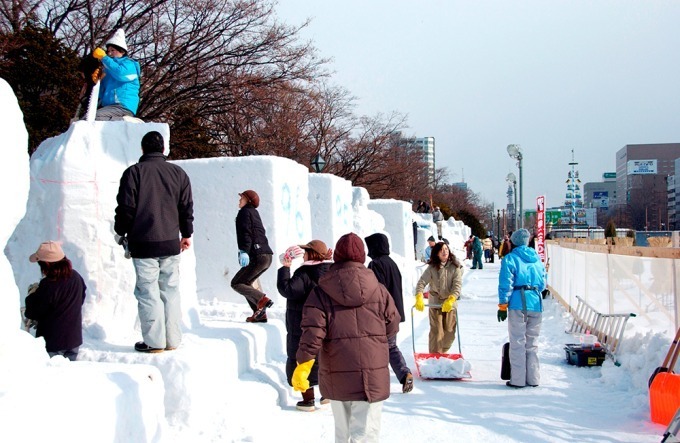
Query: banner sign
[
  {"x": 601, "y": 199},
  {"x": 641, "y": 167},
  {"x": 540, "y": 227}
]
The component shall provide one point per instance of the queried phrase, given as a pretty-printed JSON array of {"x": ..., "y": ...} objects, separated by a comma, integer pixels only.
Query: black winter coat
[
  {"x": 155, "y": 205},
  {"x": 57, "y": 307},
  {"x": 251, "y": 236},
  {"x": 295, "y": 290},
  {"x": 385, "y": 269}
]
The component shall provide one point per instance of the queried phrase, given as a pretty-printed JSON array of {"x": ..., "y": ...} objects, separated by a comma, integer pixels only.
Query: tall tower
[{"x": 573, "y": 198}]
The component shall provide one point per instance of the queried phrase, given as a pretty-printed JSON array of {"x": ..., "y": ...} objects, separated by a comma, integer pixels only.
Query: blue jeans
[{"x": 158, "y": 301}]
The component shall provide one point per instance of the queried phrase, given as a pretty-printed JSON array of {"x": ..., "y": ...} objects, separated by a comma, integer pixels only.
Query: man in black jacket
[
  {"x": 387, "y": 272},
  {"x": 155, "y": 206}
]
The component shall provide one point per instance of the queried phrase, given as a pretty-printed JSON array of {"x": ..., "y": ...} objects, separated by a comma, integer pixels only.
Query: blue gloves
[{"x": 243, "y": 258}]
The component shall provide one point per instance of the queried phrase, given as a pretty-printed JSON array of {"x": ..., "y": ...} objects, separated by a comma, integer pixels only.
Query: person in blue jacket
[
  {"x": 119, "y": 89},
  {"x": 520, "y": 283}
]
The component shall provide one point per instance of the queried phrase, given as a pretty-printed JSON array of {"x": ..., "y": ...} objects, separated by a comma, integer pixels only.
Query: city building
[
  {"x": 642, "y": 173},
  {"x": 601, "y": 196},
  {"x": 426, "y": 146}
]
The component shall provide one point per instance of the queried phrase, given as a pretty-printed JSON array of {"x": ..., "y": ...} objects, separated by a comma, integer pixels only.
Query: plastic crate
[{"x": 585, "y": 356}]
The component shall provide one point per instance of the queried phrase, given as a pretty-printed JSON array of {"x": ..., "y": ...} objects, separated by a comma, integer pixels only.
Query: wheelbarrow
[{"x": 439, "y": 366}]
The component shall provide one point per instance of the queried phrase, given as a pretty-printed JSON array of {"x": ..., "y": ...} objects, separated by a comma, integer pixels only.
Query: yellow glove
[
  {"x": 99, "y": 53},
  {"x": 420, "y": 303},
  {"x": 300, "y": 375},
  {"x": 449, "y": 304}
]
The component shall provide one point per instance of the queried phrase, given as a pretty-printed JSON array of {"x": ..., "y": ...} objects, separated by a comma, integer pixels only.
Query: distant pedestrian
[
  {"x": 347, "y": 320},
  {"x": 254, "y": 255},
  {"x": 387, "y": 272},
  {"x": 520, "y": 283},
  {"x": 487, "y": 246},
  {"x": 477, "y": 253},
  {"x": 468, "y": 247},
  {"x": 428, "y": 250},
  {"x": 438, "y": 219},
  {"x": 56, "y": 304}
]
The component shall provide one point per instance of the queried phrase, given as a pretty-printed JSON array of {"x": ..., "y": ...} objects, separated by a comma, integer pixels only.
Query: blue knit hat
[{"x": 520, "y": 237}]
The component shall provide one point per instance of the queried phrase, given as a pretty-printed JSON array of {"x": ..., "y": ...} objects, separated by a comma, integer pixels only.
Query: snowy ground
[{"x": 594, "y": 404}]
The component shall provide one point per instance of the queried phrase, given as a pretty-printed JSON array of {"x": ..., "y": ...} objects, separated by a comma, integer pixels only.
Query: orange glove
[{"x": 99, "y": 53}]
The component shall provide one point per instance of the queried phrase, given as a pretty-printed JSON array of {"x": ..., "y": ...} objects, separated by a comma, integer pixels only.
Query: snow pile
[{"x": 444, "y": 366}]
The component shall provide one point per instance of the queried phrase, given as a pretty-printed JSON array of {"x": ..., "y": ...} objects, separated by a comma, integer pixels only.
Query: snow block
[
  {"x": 74, "y": 180},
  {"x": 330, "y": 199},
  {"x": 99, "y": 395},
  {"x": 284, "y": 210},
  {"x": 16, "y": 182},
  {"x": 366, "y": 221}
]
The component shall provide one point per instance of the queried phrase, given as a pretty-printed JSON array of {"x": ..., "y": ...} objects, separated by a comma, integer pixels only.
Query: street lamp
[
  {"x": 515, "y": 151},
  {"x": 318, "y": 163},
  {"x": 511, "y": 179}
]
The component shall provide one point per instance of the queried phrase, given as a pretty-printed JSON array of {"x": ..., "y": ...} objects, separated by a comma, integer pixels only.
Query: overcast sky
[{"x": 551, "y": 76}]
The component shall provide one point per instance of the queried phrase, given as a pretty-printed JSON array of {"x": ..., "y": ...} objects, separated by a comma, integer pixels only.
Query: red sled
[{"x": 423, "y": 359}]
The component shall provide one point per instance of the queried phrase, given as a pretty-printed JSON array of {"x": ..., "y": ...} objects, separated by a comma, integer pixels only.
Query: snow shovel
[
  {"x": 671, "y": 357},
  {"x": 440, "y": 366}
]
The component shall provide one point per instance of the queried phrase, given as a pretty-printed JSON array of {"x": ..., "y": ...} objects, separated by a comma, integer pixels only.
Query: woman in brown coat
[
  {"x": 346, "y": 321},
  {"x": 445, "y": 277}
]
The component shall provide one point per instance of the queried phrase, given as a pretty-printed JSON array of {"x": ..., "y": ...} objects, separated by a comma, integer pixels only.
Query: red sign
[{"x": 540, "y": 227}]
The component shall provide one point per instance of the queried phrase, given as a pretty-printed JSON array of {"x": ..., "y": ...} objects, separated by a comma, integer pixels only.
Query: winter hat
[
  {"x": 118, "y": 40},
  {"x": 349, "y": 248},
  {"x": 49, "y": 252},
  {"x": 431, "y": 238},
  {"x": 520, "y": 237},
  {"x": 320, "y": 248},
  {"x": 252, "y": 197}
]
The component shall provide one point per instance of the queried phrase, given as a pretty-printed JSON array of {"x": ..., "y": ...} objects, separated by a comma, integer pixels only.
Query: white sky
[{"x": 550, "y": 76}]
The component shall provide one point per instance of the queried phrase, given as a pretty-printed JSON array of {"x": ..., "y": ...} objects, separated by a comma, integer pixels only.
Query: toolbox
[{"x": 579, "y": 355}]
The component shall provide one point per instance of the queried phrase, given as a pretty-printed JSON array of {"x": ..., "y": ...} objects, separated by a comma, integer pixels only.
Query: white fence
[{"x": 619, "y": 280}]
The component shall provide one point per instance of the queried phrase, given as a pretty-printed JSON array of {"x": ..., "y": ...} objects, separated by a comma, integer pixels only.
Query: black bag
[{"x": 505, "y": 362}]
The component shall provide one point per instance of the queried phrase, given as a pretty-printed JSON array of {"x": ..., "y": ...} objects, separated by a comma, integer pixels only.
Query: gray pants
[
  {"x": 158, "y": 301},
  {"x": 524, "y": 347},
  {"x": 112, "y": 112},
  {"x": 356, "y": 421}
]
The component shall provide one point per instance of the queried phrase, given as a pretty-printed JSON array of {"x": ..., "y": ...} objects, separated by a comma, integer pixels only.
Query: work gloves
[
  {"x": 301, "y": 374},
  {"x": 99, "y": 53},
  {"x": 449, "y": 303},
  {"x": 243, "y": 258},
  {"x": 420, "y": 303},
  {"x": 502, "y": 312}
]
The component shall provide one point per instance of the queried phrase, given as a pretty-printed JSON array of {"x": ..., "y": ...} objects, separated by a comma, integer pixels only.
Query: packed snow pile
[{"x": 444, "y": 366}]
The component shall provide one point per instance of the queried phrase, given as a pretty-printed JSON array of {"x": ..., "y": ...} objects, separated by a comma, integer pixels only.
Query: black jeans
[{"x": 244, "y": 278}]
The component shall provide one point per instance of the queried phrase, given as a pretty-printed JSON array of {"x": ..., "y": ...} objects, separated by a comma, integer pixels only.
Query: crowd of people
[{"x": 342, "y": 317}]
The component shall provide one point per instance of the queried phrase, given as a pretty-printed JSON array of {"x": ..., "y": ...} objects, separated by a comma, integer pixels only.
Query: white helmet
[{"x": 118, "y": 40}]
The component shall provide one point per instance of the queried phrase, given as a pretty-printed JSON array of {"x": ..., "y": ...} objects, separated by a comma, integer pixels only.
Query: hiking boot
[
  {"x": 262, "y": 306},
  {"x": 324, "y": 400},
  {"x": 252, "y": 318},
  {"x": 305, "y": 405},
  {"x": 264, "y": 302},
  {"x": 140, "y": 346},
  {"x": 407, "y": 386}
]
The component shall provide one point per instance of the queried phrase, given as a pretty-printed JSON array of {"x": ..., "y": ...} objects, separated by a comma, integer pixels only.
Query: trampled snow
[{"x": 227, "y": 380}]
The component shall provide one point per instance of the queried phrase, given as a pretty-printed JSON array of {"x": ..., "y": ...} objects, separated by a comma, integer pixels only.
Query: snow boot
[
  {"x": 140, "y": 346},
  {"x": 307, "y": 403},
  {"x": 262, "y": 306}
]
